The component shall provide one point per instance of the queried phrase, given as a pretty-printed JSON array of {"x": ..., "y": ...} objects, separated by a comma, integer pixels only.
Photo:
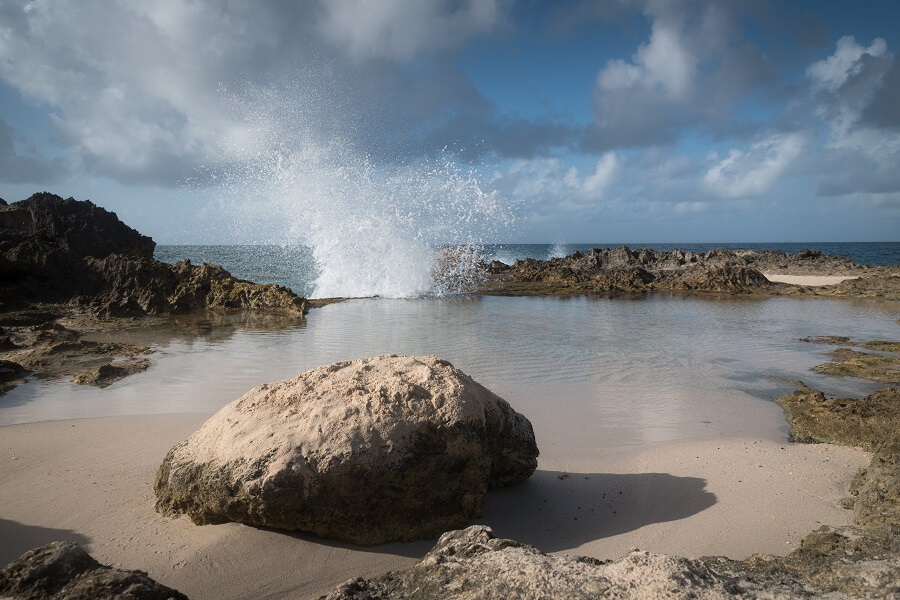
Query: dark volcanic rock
[
  {"x": 63, "y": 250},
  {"x": 369, "y": 451},
  {"x": 625, "y": 271},
  {"x": 64, "y": 571}
]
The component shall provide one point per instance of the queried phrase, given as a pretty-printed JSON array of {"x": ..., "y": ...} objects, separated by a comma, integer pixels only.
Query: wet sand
[{"x": 90, "y": 481}]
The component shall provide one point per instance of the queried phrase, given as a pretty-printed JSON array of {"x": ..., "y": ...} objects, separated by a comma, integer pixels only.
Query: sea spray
[{"x": 373, "y": 229}]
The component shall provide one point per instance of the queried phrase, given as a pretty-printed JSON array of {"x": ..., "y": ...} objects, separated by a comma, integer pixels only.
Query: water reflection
[{"x": 599, "y": 374}]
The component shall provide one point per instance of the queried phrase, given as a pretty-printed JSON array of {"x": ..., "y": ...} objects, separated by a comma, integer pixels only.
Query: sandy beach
[
  {"x": 808, "y": 280},
  {"x": 90, "y": 481}
]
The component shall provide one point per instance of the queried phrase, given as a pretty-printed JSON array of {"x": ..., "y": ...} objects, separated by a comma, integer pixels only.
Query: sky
[{"x": 600, "y": 121}]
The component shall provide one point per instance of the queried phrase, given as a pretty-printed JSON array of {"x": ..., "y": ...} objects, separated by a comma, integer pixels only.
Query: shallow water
[{"x": 592, "y": 374}]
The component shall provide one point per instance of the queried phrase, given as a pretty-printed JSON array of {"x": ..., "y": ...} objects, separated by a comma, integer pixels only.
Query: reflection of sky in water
[{"x": 595, "y": 374}]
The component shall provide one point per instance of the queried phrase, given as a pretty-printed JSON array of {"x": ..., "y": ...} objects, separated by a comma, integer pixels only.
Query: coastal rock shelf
[
  {"x": 70, "y": 251},
  {"x": 369, "y": 451},
  {"x": 626, "y": 271},
  {"x": 69, "y": 266}
]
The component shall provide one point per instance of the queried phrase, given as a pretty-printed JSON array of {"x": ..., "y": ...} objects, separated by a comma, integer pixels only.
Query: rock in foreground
[
  {"x": 472, "y": 564},
  {"x": 64, "y": 571},
  {"x": 369, "y": 451}
]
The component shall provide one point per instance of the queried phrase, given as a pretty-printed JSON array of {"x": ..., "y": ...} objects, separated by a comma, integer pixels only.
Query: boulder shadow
[
  {"x": 556, "y": 511},
  {"x": 412, "y": 549},
  {"x": 17, "y": 538}
]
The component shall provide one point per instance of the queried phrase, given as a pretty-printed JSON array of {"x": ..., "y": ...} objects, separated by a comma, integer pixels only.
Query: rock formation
[
  {"x": 473, "y": 564},
  {"x": 625, "y": 271},
  {"x": 369, "y": 451},
  {"x": 69, "y": 251},
  {"x": 64, "y": 571}
]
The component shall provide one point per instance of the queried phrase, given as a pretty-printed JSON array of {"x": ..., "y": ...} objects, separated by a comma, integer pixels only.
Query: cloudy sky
[{"x": 595, "y": 120}]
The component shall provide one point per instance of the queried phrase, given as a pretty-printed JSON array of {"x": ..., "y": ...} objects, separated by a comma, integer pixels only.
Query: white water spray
[{"x": 374, "y": 230}]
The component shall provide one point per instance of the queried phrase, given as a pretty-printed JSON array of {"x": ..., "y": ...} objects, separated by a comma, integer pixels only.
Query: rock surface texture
[
  {"x": 64, "y": 250},
  {"x": 473, "y": 564},
  {"x": 622, "y": 270},
  {"x": 64, "y": 571},
  {"x": 369, "y": 451}
]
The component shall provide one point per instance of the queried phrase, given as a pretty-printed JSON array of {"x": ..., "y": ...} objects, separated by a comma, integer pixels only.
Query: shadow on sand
[
  {"x": 556, "y": 511},
  {"x": 554, "y": 514},
  {"x": 17, "y": 538}
]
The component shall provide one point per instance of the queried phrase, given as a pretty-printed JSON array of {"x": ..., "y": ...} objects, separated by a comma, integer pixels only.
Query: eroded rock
[
  {"x": 68, "y": 251},
  {"x": 64, "y": 571},
  {"x": 369, "y": 451},
  {"x": 473, "y": 564}
]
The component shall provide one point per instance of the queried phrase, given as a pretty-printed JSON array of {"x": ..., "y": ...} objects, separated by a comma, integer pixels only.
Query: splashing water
[
  {"x": 559, "y": 250},
  {"x": 374, "y": 230}
]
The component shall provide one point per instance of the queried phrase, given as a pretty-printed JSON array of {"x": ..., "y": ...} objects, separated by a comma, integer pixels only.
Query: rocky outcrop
[
  {"x": 64, "y": 571},
  {"x": 625, "y": 271},
  {"x": 473, "y": 564},
  {"x": 67, "y": 251},
  {"x": 369, "y": 451},
  {"x": 870, "y": 423}
]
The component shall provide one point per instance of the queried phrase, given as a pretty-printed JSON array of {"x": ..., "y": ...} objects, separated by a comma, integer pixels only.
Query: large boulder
[
  {"x": 64, "y": 571},
  {"x": 369, "y": 451}
]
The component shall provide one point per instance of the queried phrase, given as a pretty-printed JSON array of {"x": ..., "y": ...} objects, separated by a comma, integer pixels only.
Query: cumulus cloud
[
  {"x": 146, "y": 92},
  {"x": 832, "y": 72},
  {"x": 691, "y": 70},
  {"x": 855, "y": 96},
  {"x": 549, "y": 186},
  {"x": 753, "y": 172}
]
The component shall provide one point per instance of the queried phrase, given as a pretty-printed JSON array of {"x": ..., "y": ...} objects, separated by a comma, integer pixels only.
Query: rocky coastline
[
  {"x": 625, "y": 272},
  {"x": 68, "y": 268}
]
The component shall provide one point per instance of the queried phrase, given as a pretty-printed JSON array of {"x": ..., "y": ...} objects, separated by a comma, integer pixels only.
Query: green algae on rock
[
  {"x": 864, "y": 365},
  {"x": 870, "y": 423}
]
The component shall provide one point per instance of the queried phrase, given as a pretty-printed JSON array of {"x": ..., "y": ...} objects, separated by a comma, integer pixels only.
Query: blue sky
[{"x": 584, "y": 121}]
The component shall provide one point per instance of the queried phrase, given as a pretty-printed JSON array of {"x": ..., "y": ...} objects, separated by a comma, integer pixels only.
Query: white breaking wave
[{"x": 373, "y": 229}]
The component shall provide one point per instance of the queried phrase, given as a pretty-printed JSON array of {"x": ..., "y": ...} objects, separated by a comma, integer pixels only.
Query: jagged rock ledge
[
  {"x": 68, "y": 266},
  {"x": 622, "y": 271}
]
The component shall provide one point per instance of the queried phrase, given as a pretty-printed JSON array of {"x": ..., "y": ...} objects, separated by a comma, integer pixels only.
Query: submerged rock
[
  {"x": 369, "y": 451},
  {"x": 105, "y": 375},
  {"x": 64, "y": 571},
  {"x": 847, "y": 362}
]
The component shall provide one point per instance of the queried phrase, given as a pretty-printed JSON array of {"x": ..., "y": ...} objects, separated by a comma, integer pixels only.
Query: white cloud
[
  {"x": 832, "y": 72},
  {"x": 548, "y": 184},
  {"x": 596, "y": 183},
  {"x": 398, "y": 29},
  {"x": 755, "y": 171},
  {"x": 664, "y": 62}
]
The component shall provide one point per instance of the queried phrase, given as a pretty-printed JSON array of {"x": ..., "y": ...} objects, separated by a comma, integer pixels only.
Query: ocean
[{"x": 294, "y": 266}]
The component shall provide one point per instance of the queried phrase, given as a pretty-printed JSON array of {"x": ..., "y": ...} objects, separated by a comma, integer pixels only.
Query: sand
[
  {"x": 90, "y": 481},
  {"x": 808, "y": 280}
]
